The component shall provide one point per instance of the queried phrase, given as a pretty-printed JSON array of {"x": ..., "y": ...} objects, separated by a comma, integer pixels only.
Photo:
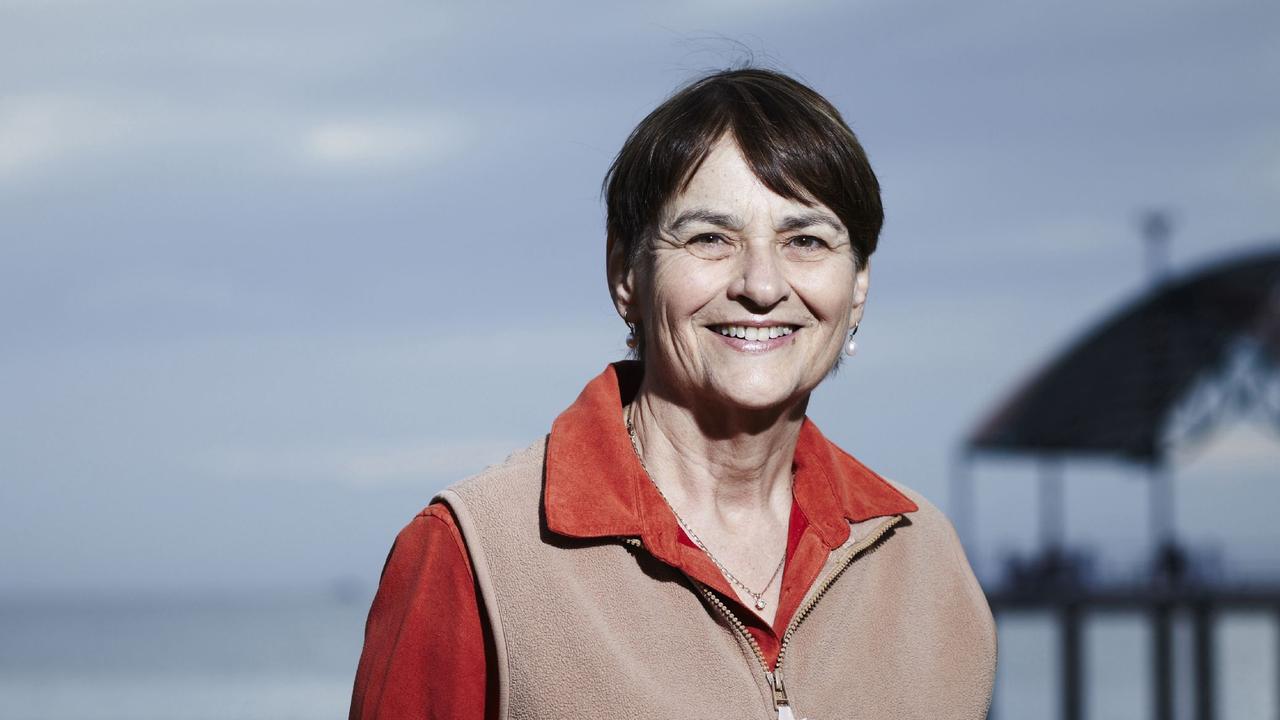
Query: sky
[{"x": 274, "y": 273}]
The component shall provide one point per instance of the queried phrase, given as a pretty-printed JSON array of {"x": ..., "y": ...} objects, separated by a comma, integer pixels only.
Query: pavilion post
[
  {"x": 1202, "y": 624},
  {"x": 1162, "y": 697},
  {"x": 1052, "y": 513},
  {"x": 1160, "y": 507},
  {"x": 1070, "y": 663}
]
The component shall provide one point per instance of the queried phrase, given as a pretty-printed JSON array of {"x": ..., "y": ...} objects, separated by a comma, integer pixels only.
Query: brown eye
[
  {"x": 710, "y": 246},
  {"x": 807, "y": 248},
  {"x": 808, "y": 242}
]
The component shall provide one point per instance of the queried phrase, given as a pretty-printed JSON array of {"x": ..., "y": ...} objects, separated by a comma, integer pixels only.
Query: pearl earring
[
  {"x": 851, "y": 347},
  {"x": 632, "y": 342}
]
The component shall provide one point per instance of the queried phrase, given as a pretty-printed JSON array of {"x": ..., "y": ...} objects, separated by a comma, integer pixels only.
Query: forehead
[{"x": 724, "y": 182}]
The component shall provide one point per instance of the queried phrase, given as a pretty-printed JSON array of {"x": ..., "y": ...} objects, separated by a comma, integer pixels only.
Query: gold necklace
[{"x": 757, "y": 596}]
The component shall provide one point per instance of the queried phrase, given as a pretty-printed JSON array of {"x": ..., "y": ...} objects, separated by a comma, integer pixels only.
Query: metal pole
[
  {"x": 1202, "y": 622},
  {"x": 1070, "y": 663},
  {"x": 1156, "y": 229},
  {"x": 1276, "y": 663},
  {"x": 1162, "y": 660}
]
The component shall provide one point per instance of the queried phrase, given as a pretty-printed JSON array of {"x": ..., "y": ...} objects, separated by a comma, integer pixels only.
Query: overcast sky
[{"x": 272, "y": 273}]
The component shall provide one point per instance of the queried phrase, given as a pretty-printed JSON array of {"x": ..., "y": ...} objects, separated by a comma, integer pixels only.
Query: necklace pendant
[{"x": 760, "y": 603}]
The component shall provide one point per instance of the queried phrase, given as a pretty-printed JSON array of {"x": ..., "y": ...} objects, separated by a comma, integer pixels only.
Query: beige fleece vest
[{"x": 600, "y": 629}]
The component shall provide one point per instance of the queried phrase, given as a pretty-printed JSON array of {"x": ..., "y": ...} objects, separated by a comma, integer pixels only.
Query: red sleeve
[{"x": 428, "y": 652}]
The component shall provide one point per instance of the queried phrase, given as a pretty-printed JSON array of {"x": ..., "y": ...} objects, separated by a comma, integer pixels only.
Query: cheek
[
  {"x": 680, "y": 289},
  {"x": 827, "y": 290}
]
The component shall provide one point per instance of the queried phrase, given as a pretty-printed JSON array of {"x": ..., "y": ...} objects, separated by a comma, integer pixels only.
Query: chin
[{"x": 755, "y": 396}]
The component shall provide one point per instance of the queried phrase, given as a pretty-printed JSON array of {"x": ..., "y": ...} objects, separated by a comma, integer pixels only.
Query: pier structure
[{"x": 1190, "y": 353}]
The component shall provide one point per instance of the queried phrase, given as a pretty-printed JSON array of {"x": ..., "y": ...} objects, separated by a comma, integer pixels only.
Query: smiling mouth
[{"x": 749, "y": 332}]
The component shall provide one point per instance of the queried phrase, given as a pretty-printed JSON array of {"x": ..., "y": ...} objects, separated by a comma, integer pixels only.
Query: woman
[{"x": 685, "y": 543}]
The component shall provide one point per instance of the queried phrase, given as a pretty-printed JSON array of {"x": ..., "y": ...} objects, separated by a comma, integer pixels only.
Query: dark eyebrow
[
  {"x": 809, "y": 219},
  {"x": 720, "y": 220}
]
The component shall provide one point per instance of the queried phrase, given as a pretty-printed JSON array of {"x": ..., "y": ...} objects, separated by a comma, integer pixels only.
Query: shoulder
[
  {"x": 940, "y": 592},
  {"x": 937, "y": 549},
  {"x": 927, "y": 512},
  {"x": 521, "y": 468},
  {"x": 933, "y": 528},
  {"x": 941, "y": 555},
  {"x": 501, "y": 491}
]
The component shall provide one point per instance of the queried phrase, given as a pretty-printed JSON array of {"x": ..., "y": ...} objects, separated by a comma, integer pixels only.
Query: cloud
[
  {"x": 53, "y": 138},
  {"x": 38, "y": 132},
  {"x": 380, "y": 143}
]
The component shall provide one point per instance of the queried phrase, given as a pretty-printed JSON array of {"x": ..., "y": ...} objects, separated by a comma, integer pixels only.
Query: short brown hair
[{"x": 791, "y": 137}]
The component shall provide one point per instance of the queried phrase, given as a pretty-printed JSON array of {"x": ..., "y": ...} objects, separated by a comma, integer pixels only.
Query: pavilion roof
[{"x": 1112, "y": 389}]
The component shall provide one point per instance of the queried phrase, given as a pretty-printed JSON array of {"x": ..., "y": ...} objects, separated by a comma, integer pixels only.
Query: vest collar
[{"x": 596, "y": 487}]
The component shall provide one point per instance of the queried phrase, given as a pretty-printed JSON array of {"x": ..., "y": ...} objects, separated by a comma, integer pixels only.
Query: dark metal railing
[{"x": 1057, "y": 583}]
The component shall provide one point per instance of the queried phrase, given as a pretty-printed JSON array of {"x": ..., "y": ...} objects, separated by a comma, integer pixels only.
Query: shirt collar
[{"x": 596, "y": 487}]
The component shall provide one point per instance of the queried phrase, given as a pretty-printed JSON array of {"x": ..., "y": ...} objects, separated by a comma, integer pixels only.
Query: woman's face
[{"x": 734, "y": 259}]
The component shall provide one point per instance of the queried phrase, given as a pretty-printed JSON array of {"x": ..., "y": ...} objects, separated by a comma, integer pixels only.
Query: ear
[
  {"x": 622, "y": 281},
  {"x": 861, "y": 281}
]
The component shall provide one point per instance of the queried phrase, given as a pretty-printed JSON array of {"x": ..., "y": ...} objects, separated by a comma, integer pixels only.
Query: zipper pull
[{"x": 780, "y": 703}]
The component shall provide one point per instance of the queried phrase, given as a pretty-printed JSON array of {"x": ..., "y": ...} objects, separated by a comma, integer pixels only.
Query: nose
[{"x": 759, "y": 282}]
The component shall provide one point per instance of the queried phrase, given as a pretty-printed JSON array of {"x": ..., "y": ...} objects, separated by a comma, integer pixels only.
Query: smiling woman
[
  {"x": 729, "y": 258},
  {"x": 685, "y": 538}
]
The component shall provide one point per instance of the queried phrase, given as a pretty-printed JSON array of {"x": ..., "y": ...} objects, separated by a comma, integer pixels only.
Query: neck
[{"x": 722, "y": 463}]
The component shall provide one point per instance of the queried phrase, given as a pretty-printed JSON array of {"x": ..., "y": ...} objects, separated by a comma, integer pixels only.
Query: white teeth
[{"x": 754, "y": 333}]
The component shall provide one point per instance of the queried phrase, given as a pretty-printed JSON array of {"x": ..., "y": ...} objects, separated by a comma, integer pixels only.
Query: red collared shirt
[{"x": 428, "y": 652}]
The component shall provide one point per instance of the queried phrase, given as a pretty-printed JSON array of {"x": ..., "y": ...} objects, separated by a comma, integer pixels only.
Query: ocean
[
  {"x": 286, "y": 658},
  {"x": 294, "y": 657}
]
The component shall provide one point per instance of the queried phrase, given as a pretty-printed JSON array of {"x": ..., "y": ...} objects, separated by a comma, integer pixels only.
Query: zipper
[
  {"x": 773, "y": 678},
  {"x": 778, "y": 690},
  {"x": 803, "y": 611}
]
